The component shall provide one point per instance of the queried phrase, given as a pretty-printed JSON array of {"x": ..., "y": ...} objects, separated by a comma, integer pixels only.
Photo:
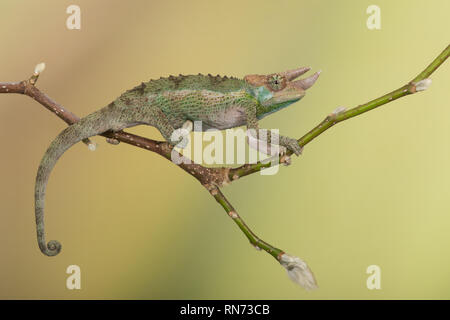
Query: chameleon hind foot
[
  {"x": 112, "y": 141},
  {"x": 90, "y": 144}
]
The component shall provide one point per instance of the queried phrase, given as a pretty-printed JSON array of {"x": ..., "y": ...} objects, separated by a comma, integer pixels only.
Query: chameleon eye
[{"x": 276, "y": 82}]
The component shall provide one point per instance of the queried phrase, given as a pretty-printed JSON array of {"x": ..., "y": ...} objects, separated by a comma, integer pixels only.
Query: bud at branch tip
[
  {"x": 298, "y": 271},
  {"x": 39, "y": 68}
]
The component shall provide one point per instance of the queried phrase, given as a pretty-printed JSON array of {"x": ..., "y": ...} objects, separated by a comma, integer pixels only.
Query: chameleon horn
[
  {"x": 292, "y": 74},
  {"x": 308, "y": 82}
]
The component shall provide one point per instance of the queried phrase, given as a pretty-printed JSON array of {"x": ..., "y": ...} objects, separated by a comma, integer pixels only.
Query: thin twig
[{"x": 253, "y": 238}]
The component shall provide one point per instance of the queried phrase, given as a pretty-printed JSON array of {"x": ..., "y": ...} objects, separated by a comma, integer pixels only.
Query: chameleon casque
[{"x": 176, "y": 102}]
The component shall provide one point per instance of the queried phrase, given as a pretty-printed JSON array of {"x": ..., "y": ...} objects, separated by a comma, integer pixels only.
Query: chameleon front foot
[
  {"x": 282, "y": 150},
  {"x": 292, "y": 145},
  {"x": 285, "y": 160}
]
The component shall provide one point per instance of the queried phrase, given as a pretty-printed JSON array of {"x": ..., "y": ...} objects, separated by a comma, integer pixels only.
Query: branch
[
  {"x": 206, "y": 176},
  {"x": 419, "y": 83},
  {"x": 214, "y": 178}
]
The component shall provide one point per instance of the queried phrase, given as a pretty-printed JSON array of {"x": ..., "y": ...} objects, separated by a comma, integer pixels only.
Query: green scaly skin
[{"x": 170, "y": 103}]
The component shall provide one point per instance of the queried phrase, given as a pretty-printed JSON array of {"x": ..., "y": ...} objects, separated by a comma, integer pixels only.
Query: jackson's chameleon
[{"x": 176, "y": 102}]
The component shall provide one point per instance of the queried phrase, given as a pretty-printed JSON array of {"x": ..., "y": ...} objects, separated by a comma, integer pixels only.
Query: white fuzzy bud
[
  {"x": 92, "y": 146},
  {"x": 423, "y": 84},
  {"x": 298, "y": 271},
  {"x": 339, "y": 110},
  {"x": 39, "y": 68}
]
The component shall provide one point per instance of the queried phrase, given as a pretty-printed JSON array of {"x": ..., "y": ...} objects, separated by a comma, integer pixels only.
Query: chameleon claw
[
  {"x": 297, "y": 149},
  {"x": 182, "y": 142},
  {"x": 87, "y": 142},
  {"x": 285, "y": 160},
  {"x": 282, "y": 150},
  {"x": 292, "y": 145},
  {"x": 112, "y": 141}
]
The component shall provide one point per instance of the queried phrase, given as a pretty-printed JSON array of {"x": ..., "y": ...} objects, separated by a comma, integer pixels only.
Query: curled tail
[{"x": 92, "y": 125}]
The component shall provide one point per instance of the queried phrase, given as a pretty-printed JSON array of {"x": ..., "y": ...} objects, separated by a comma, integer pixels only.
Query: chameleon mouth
[{"x": 289, "y": 96}]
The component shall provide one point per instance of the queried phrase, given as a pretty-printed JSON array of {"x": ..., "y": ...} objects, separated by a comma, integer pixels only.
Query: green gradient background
[{"x": 373, "y": 190}]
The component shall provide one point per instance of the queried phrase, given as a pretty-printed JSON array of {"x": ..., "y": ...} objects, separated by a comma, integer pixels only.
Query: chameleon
[{"x": 175, "y": 102}]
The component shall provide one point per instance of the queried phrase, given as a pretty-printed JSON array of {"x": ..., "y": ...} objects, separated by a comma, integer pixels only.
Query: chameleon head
[{"x": 278, "y": 90}]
